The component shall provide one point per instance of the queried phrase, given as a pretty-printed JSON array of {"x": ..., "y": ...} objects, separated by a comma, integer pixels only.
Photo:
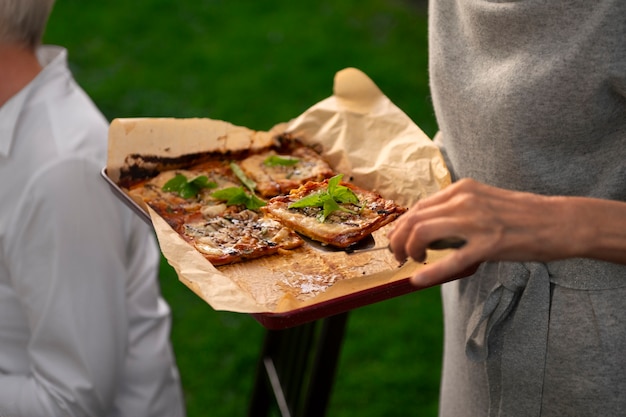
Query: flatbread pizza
[{"x": 242, "y": 206}]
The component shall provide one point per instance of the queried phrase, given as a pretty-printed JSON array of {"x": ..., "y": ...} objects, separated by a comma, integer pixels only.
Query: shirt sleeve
[{"x": 69, "y": 269}]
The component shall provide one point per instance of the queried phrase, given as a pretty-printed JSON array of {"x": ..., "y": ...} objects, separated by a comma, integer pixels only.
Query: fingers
[
  {"x": 455, "y": 266},
  {"x": 414, "y": 235},
  {"x": 420, "y": 208},
  {"x": 428, "y": 233},
  {"x": 497, "y": 224},
  {"x": 407, "y": 227},
  {"x": 454, "y": 212}
]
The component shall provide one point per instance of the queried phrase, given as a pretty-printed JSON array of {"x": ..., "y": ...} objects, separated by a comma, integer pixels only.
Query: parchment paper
[{"x": 362, "y": 134}]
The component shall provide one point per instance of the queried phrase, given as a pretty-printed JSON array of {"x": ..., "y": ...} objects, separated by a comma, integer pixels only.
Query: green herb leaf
[
  {"x": 202, "y": 181},
  {"x": 175, "y": 184},
  {"x": 280, "y": 160},
  {"x": 311, "y": 200},
  {"x": 343, "y": 194},
  {"x": 333, "y": 183},
  {"x": 238, "y": 196},
  {"x": 254, "y": 203},
  {"x": 188, "y": 189},
  {"x": 228, "y": 194},
  {"x": 330, "y": 205},
  {"x": 251, "y": 185},
  {"x": 329, "y": 200}
]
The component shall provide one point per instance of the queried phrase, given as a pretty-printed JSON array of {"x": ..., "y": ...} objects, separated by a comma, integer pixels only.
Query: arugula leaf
[
  {"x": 251, "y": 185},
  {"x": 238, "y": 195},
  {"x": 188, "y": 188},
  {"x": 280, "y": 160},
  {"x": 329, "y": 200}
]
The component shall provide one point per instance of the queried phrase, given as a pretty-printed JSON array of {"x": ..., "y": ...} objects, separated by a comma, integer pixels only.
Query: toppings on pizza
[
  {"x": 276, "y": 173},
  {"x": 333, "y": 212},
  {"x": 239, "y": 196},
  {"x": 188, "y": 188},
  {"x": 238, "y": 236},
  {"x": 218, "y": 204},
  {"x": 214, "y": 210},
  {"x": 331, "y": 198},
  {"x": 175, "y": 192},
  {"x": 280, "y": 160}
]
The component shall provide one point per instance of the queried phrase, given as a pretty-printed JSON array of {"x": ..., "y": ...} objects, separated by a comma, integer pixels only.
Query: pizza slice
[
  {"x": 175, "y": 193},
  {"x": 237, "y": 235},
  {"x": 277, "y": 171},
  {"x": 210, "y": 208},
  {"x": 333, "y": 212}
]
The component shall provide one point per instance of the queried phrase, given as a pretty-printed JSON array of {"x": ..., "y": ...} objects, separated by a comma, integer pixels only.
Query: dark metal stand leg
[
  {"x": 324, "y": 367},
  {"x": 260, "y": 402},
  {"x": 297, "y": 368}
]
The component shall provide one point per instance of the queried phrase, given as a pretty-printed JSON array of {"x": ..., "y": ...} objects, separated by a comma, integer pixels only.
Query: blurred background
[{"x": 256, "y": 63}]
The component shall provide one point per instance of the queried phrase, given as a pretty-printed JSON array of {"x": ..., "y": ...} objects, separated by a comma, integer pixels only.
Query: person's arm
[
  {"x": 503, "y": 225},
  {"x": 68, "y": 265}
]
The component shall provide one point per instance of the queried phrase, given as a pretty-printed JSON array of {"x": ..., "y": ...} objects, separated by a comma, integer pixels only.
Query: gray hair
[{"x": 24, "y": 21}]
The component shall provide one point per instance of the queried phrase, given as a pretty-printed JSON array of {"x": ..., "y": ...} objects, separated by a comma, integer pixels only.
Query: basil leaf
[
  {"x": 311, "y": 200},
  {"x": 343, "y": 194},
  {"x": 251, "y": 185},
  {"x": 255, "y": 203},
  {"x": 333, "y": 183},
  {"x": 188, "y": 189},
  {"x": 175, "y": 184},
  {"x": 202, "y": 181},
  {"x": 238, "y": 196},
  {"x": 280, "y": 160},
  {"x": 330, "y": 206},
  {"x": 330, "y": 199},
  {"x": 228, "y": 194}
]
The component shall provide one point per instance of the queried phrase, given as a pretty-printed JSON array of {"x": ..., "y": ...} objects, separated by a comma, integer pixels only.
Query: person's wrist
[
  {"x": 571, "y": 230},
  {"x": 584, "y": 232}
]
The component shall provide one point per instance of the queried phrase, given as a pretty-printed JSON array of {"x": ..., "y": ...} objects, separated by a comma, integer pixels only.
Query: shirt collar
[{"x": 53, "y": 59}]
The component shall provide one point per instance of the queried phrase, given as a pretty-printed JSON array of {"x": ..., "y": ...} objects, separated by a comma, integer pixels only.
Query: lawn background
[{"x": 257, "y": 63}]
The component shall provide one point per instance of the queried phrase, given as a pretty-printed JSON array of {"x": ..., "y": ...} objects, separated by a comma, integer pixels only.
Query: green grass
[{"x": 257, "y": 63}]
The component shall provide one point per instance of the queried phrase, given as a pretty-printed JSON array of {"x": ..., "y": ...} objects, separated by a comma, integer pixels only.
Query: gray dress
[{"x": 531, "y": 95}]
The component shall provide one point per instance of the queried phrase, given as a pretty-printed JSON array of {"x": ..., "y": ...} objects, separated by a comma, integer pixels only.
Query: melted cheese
[
  {"x": 278, "y": 179},
  {"x": 242, "y": 234}
]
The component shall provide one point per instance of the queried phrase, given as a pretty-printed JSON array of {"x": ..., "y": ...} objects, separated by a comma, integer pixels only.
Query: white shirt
[{"x": 83, "y": 328}]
